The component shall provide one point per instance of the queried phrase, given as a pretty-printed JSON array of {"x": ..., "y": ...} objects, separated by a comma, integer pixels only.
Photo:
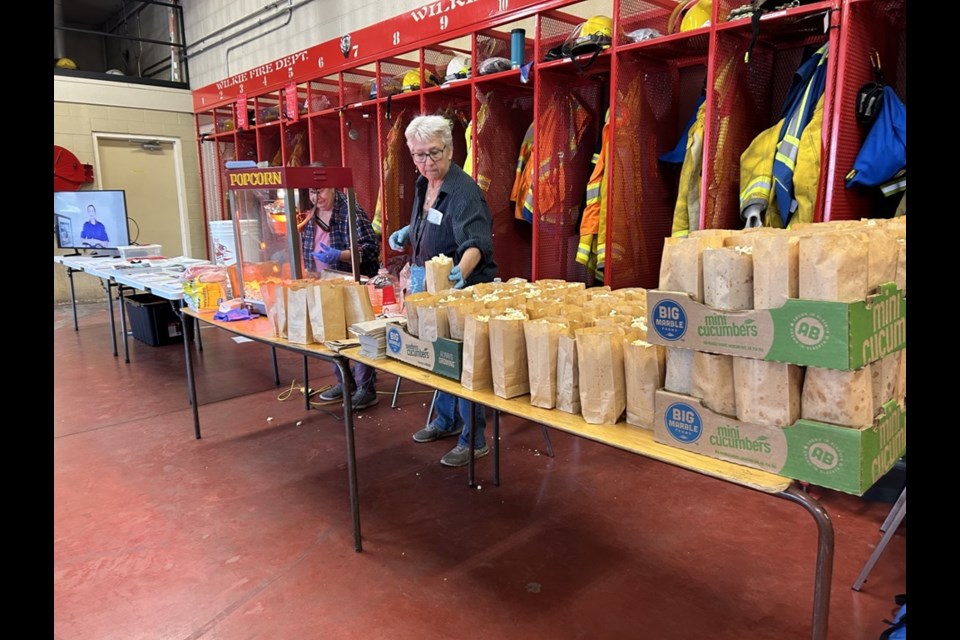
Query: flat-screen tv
[{"x": 94, "y": 220}]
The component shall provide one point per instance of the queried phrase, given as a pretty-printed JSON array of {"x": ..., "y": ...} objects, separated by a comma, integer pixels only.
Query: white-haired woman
[{"x": 450, "y": 217}]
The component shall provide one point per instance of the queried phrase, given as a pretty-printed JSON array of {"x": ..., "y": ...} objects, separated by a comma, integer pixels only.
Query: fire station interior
[{"x": 247, "y": 532}]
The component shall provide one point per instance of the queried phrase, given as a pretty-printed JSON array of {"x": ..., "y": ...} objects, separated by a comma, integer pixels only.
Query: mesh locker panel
[
  {"x": 499, "y": 132},
  {"x": 324, "y": 94},
  {"x": 357, "y": 84},
  {"x": 268, "y": 145},
  {"x": 223, "y": 119},
  {"x": 649, "y": 122},
  {"x": 325, "y": 140},
  {"x": 569, "y": 123},
  {"x": 267, "y": 108},
  {"x": 555, "y": 27},
  {"x": 360, "y": 154},
  {"x": 747, "y": 99},
  {"x": 296, "y": 145},
  {"x": 496, "y": 44},
  {"x": 643, "y": 14},
  {"x": 867, "y": 26},
  {"x": 246, "y": 146}
]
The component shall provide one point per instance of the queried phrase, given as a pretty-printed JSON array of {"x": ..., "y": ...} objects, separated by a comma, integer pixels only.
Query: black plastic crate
[{"x": 153, "y": 320}]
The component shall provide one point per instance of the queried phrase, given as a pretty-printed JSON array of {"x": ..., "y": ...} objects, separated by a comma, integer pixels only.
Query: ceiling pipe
[{"x": 59, "y": 41}]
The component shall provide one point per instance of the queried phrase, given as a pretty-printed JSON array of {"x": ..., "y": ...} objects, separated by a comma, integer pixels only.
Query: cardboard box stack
[{"x": 786, "y": 349}]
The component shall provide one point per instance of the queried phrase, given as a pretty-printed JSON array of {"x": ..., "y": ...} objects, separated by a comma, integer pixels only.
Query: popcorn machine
[{"x": 275, "y": 199}]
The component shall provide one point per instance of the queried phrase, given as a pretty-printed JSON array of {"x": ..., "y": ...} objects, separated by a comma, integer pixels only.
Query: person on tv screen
[{"x": 93, "y": 232}]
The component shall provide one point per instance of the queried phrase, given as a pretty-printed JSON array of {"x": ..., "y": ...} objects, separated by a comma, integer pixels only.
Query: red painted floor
[{"x": 246, "y": 533}]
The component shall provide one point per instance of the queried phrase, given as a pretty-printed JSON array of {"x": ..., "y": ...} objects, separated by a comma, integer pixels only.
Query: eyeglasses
[{"x": 433, "y": 154}]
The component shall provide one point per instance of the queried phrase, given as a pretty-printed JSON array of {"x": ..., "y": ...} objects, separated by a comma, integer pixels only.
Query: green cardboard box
[
  {"x": 842, "y": 458},
  {"x": 442, "y": 356},
  {"x": 816, "y": 333}
]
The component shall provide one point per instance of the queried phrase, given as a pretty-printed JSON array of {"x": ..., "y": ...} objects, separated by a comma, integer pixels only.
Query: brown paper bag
[
  {"x": 728, "y": 278},
  {"x": 298, "y": 311},
  {"x": 712, "y": 382},
  {"x": 475, "y": 373},
  {"x": 843, "y": 398},
  {"x": 679, "y": 376},
  {"x": 432, "y": 322},
  {"x": 543, "y": 308},
  {"x": 541, "y": 338},
  {"x": 681, "y": 264},
  {"x": 885, "y": 378},
  {"x": 437, "y": 274},
  {"x": 411, "y": 303},
  {"x": 508, "y": 355},
  {"x": 644, "y": 366},
  {"x": 356, "y": 304},
  {"x": 568, "y": 375},
  {"x": 603, "y": 397},
  {"x": 834, "y": 266},
  {"x": 275, "y": 300},
  {"x": 901, "y": 275},
  {"x": 457, "y": 312},
  {"x": 882, "y": 252},
  {"x": 327, "y": 318},
  {"x": 767, "y": 393},
  {"x": 776, "y": 265},
  {"x": 901, "y": 390}
]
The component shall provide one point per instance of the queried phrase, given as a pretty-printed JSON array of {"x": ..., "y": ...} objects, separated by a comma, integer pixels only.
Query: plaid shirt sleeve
[{"x": 367, "y": 239}]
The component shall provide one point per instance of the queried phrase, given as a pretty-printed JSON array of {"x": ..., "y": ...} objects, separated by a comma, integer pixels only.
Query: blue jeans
[
  {"x": 450, "y": 411},
  {"x": 364, "y": 376}
]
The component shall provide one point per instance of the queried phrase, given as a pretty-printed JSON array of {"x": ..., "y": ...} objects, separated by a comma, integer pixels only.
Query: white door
[{"x": 147, "y": 171}]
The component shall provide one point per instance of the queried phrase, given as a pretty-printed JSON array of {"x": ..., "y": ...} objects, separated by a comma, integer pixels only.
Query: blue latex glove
[
  {"x": 398, "y": 239},
  {"x": 457, "y": 278},
  {"x": 327, "y": 255}
]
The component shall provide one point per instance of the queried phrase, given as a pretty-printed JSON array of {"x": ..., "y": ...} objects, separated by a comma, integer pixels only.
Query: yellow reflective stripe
[
  {"x": 761, "y": 185},
  {"x": 680, "y": 233}
]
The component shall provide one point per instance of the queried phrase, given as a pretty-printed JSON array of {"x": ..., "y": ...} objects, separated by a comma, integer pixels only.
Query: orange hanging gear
[
  {"x": 391, "y": 176},
  {"x": 569, "y": 119},
  {"x": 591, "y": 245},
  {"x": 522, "y": 192}
]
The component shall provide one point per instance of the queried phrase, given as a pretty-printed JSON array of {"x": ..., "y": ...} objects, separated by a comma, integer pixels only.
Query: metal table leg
[
  {"x": 123, "y": 324},
  {"x": 473, "y": 426},
  {"x": 191, "y": 383},
  {"x": 73, "y": 299},
  {"x": 108, "y": 287},
  {"x": 825, "y": 545},
  {"x": 546, "y": 439},
  {"x": 344, "y": 365},
  {"x": 396, "y": 391},
  {"x": 276, "y": 369},
  {"x": 306, "y": 385},
  {"x": 496, "y": 447}
]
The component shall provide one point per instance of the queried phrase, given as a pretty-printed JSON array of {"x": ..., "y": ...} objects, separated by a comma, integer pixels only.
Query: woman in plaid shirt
[{"x": 325, "y": 238}]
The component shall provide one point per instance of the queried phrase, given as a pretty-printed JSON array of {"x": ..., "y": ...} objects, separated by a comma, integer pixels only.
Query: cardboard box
[
  {"x": 816, "y": 333},
  {"x": 842, "y": 458},
  {"x": 441, "y": 356}
]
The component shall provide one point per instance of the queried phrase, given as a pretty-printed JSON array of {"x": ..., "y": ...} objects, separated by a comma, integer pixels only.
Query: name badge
[{"x": 434, "y": 216}]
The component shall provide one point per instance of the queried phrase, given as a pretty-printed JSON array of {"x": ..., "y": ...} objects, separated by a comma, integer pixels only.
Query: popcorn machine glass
[{"x": 273, "y": 200}]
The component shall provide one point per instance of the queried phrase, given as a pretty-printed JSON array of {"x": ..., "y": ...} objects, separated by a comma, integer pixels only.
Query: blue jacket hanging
[
  {"x": 675, "y": 156},
  {"x": 808, "y": 84},
  {"x": 884, "y": 151}
]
